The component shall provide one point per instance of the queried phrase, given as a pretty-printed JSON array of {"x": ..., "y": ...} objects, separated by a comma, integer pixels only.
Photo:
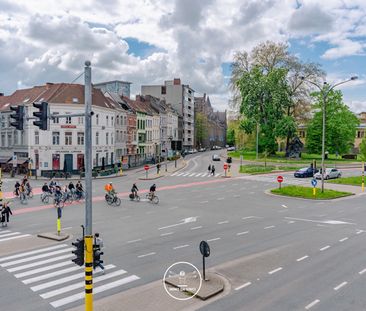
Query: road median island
[
  {"x": 307, "y": 193},
  {"x": 260, "y": 169},
  {"x": 353, "y": 181}
]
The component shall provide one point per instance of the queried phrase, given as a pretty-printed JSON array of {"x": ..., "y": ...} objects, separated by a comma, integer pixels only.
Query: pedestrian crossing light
[
  {"x": 79, "y": 252},
  {"x": 97, "y": 253},
  {"x": 18, "y": 116},
  {"x": 42, "y": 115}
]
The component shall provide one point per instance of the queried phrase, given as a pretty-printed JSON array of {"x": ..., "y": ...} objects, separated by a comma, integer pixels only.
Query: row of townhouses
[{"x": 157, "y": 124}]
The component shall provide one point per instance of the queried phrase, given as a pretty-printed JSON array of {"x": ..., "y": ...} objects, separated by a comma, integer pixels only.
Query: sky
[{"x": 150, "y": 41}]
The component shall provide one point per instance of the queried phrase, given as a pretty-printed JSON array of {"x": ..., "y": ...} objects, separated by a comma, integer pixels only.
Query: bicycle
[
  {"x": 67, "y": 197},
  {"x": 29, "y": 193},
  {"x": 112, "y": 199},
  {"x": 45, "y": 197},
  {"x": 23, "y": 198},
  {"x": 58, "y": 203},
  {"x": 134, "y": 197},
  {"x": 152, "y": 198},
  {"x": 78, "y": 195}
]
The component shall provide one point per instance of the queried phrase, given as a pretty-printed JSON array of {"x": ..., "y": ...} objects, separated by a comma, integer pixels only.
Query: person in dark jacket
[
  {"x": 71, "y": 186},
  {"x": 5, "y": 214},
  {"x": 213, "y": 170},
  {"x": 209, "y": 168}
]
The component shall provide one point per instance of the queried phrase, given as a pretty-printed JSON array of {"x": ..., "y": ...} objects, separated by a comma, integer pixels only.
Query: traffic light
[
  {"x": 79, "y": 252},
  {"x": 18, "y": 116},
  {"x": 42, "y": 115},
  {"x": 97, "y": 253}
]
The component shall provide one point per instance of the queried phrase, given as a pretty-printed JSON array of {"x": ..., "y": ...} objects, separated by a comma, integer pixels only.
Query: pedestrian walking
[
  {"x": 213, "y": 170},
  {"x": 209, "y": 168},
  {"x": 5, "y": 214},
  {"x": 158, "y": 168},
  {"x": 98, "y": 243}
]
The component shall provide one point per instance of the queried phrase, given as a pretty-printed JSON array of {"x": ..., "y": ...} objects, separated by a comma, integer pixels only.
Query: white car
[
  {"x": 231, "y": 148},
  {"x": 329, "y": 173}
]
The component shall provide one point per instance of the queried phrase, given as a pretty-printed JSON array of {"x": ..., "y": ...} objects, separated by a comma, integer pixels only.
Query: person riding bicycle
[
  {"x": 52, "y": 185},
  {"x": 45, "y": 188},
  {"x": 79, "y": 189},
  {"x": 152, "y": 191},
  {"x": 134, "y": 190},
  {"x": 17, "y": 186},
  {"x": 24, "y": 180},
  {"x": 28, "y": 188},
  {"x": 22, "y": 193},
  {"x": 71, "y": 186},
  {"x": 110, "y": 189},
  {"x": 58, "y": 195}
]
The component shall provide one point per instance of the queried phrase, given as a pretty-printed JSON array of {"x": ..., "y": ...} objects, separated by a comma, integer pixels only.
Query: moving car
[
  {"x": 231, "y": 148},
  {"x": 305, "y": 172},
  {"x": 216, "y": 157},
  {"x": 329, "y": 173}
]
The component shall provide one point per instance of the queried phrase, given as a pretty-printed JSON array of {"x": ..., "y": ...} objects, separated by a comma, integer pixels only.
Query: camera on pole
[
  {"x": 42, "y": 115},
  {"x": 97, "y": 253},
  {"x": 18, "y": 116},
  {"x": 79, "y": 252}
]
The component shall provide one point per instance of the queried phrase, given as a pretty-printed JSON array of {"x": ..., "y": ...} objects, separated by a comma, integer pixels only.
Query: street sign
[
  {"x": 204, "y": 249},
  {"x": 146, "y": 167},
  {"x": 225, "y": 166},
  {"x": 314, "y": 182},
  {"x": 279, "y": 179}
]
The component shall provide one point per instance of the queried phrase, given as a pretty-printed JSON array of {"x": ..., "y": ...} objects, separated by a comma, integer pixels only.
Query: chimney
[{"x": 176, "y": 81}]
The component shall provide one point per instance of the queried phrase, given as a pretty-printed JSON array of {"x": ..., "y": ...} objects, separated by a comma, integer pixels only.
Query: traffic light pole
[{"x": 88, "y": 189}]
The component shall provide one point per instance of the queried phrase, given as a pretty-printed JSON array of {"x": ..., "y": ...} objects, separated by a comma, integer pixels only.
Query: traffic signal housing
[
  {"x": 79, "y": 252},
  {"x": 97, "y": 253},
  {"x": 42, "y": 115},
  {"x": 18, "y": 116}
]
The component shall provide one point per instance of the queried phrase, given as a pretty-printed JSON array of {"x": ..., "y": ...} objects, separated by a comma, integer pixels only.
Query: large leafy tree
[
  {"x": 201, "y": 128},
  {"x": 265, "y": 96},
  {"x": 340, "y": 125},
  {"x": 230, "y": 136}
]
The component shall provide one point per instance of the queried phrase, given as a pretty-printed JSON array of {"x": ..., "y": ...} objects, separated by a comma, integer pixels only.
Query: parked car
[
  {"x": 190, "y": 151},
  {"x": 201, "y": 149},
  {"x": 305, "y": 172},
  {"x": 329, "y": 173},
  {"x": 216, "y": 157},
  {"x": 232, "y": 148}
]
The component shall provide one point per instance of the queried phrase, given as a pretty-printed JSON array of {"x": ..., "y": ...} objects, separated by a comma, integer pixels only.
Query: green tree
[
  {"x": 230, "y": 136},
  {"x": 265, "y": 96},
  {"x": 340, "y": 125},
  {"x": 200, "y": 128},
  {"x": 363, "y": 149}
]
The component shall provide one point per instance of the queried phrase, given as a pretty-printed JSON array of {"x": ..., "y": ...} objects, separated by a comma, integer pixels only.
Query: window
[
  {"x": 97, "y": 119},
  {"x": 106, "y": 138},
  {"x": 117, "y": 120},
  {"x": 111, "y": 139},
  {"x": 68, "y": 138},
  {"x": 9, "y": 140},
  {"x": 111, "y": 121},
  {"x": 3, "y": 121},
  {"x": 80, "y": 138},
  {"x": 56, "y": 120},
  {"x": 3, "y": 140},
  {"x": 36, "y": 138},
  {"x": 97, "y": 138},
  {"x": 163, "y": 89},
  {"x": 107, "y": 120},
  {"x": 81, "y": 120},
  {"x": 55, "y": 138},
  {"x": 68, "y": 120},
  {"x": 360, "y": 134}
]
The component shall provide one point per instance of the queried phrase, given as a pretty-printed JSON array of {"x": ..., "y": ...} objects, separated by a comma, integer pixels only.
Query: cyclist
[
  {"x": 79, "y": 189},
  {"x": 17, "y": 186},
  {"x": 52, "y": 185},
  {"x": 58, "y": 195},
  {"x": 28, "y": 188},
  {"x": 134, "y": 190},
  {"x": 24, "y": 180},
  {"x": 71, "y": 186},
  {"x": 22, "y": 195},
  {"x": 152, "y": 191}
]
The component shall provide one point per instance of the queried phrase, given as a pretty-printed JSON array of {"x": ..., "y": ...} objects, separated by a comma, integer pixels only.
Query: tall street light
[{"x": 324, "y": 91}]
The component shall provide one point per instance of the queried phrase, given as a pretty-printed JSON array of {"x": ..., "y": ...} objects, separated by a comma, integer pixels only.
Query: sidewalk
[{"x": 164, "y": 170}]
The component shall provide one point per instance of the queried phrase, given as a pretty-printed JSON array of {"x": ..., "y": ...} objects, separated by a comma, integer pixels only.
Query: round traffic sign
[
  {"x": 146, "y": 167},
  {"x": 225, "y": 166},
  {"x": 280, "y": 179},
  {"x": 204, "y": 249},
  {"x": 314, "y": 182}
]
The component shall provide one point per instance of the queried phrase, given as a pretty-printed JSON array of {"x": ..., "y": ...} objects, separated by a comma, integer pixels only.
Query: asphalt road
[{"x": 278, "y": 253}]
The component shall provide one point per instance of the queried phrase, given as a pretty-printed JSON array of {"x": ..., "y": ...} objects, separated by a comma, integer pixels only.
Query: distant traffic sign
[
  {"x": 225, "y": 166},
  {"x": 146, "y": 167},
  {"x": 279, "y": 179},
  {"x": 314, "y": 182}
]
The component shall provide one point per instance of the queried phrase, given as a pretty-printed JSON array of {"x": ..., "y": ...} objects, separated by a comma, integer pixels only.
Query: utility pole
[{"x": 88, "y": 190}]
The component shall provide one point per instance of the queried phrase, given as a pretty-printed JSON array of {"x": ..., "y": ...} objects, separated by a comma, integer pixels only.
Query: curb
[{"x": 153, "y": 178}]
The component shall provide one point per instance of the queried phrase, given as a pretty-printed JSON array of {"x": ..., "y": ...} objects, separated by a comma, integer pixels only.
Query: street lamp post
[{"x": 324, "y": 91}]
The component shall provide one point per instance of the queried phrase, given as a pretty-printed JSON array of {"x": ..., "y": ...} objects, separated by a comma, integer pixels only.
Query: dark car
[{"x": 305, "y": 172}]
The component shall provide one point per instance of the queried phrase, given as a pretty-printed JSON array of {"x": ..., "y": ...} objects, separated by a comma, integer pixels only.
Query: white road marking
[
  {"x": 330, "y": 222},
  {"x": 312, "y": 304},
  {"x": 275, "y": 270},
  {"x": 359, "y": 231},
  {"x": 283, "y": 205},
  {"x": 195, "y": 228},
  {"x": 291, "y": 222},
  {"x": 204, "y": 202},
  {"x": 96, "y": 290},
  {"x": 249, "y": 217},
  {"x": 186, "y": 174},
  {"x": 192, "y": 174},
  {"x": 133, "y": 241},
  {"x": 302, "y": 258},
  {"x": 362, "y": 271},
  {"x": 324, "y": 248},
  {"x": 180, "y": 174},
  {"x": 244, "y": 285},
  {"x": 269, "y": 227},
  {"x": 16, "y": 262},
  {"x": 50, "y": 275},
  {"x": 8, "y": 234},
  {"x": 40, "y": 263},
  {"x": 223, "y": 222},
  {"x": 174, "y": 174},
  {"x": 15, "y": 237},
  {"x": 4, "y": 231},
  {"x": 71, "y": 287},
  {"x": 340, "y": 285},
  {"x": 199, "y": 174},
  {"x": 241, "y": 233},
  {"x": 344, "y": 239},
  {"x": 67, "y": 228},
  {"x": 165, "y": 234},
  {"x": 35, "y": 271},
  {"x": 145, "y": 255},
  {"x": 215, "y": 239},
  {"x": 181, "y": 246},
  {"x": 183, "y": 221}
]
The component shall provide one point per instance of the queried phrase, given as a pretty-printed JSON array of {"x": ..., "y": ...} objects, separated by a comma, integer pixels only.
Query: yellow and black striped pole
[
  {"x": 363, "y": 176},
  {"x": 88, "y": 273},
  {"x": 1, "y": 188}
]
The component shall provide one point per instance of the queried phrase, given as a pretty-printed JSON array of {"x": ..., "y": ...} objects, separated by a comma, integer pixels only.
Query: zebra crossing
[
  {"x": 51, "y": 274},
  {"x": 8, "y": 235},
  {"x": 196, "y": 174}
]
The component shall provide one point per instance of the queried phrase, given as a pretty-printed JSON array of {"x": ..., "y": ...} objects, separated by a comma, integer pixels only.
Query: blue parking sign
[{"x": 314, "y": 182}]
